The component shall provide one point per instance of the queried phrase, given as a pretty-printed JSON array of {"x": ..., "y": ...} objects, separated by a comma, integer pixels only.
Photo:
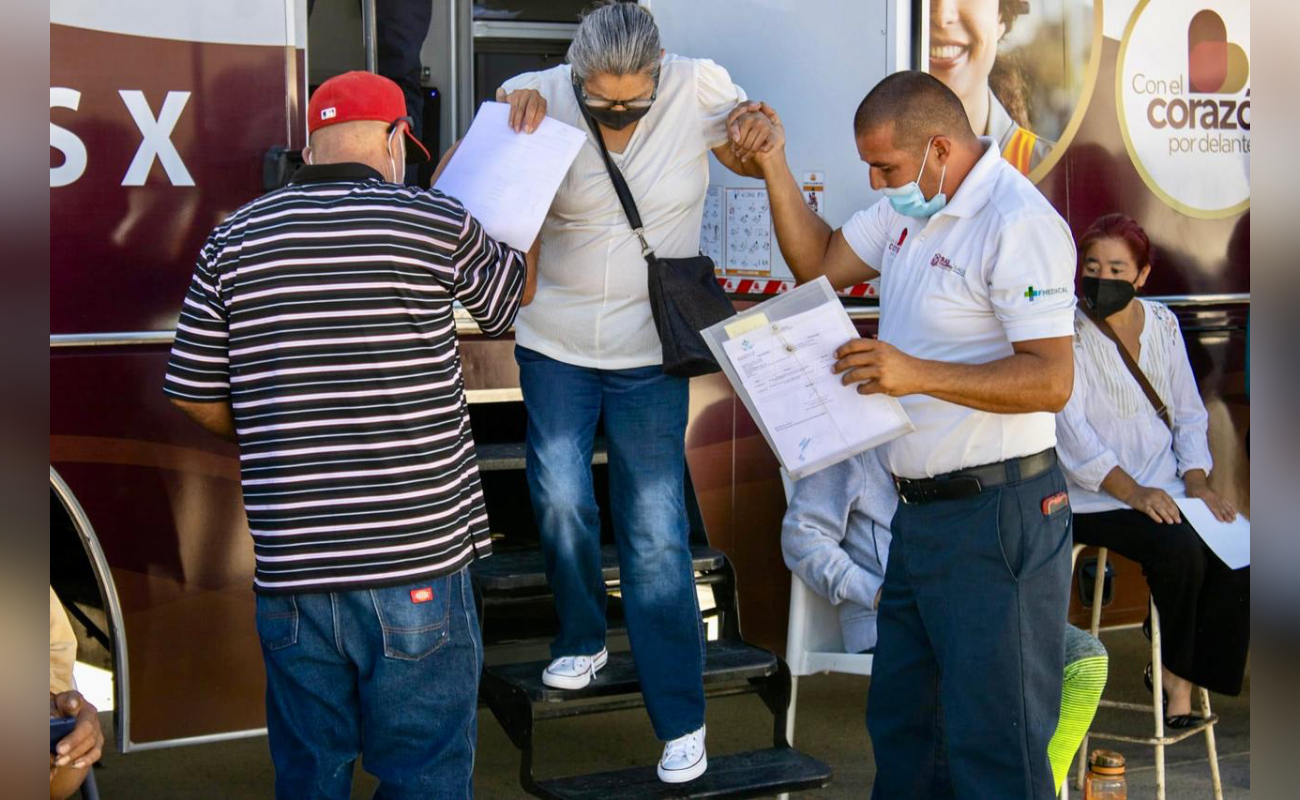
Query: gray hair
[{"x": 615, "y": 39}]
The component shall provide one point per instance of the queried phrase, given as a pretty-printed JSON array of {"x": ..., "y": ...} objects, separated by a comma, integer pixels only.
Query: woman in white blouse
[
  {"x": 1124, "y": 466},
  {"x": 588, "y": 350}
]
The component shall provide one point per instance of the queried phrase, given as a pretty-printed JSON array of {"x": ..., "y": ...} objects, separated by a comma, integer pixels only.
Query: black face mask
[
  {"x": 617, "y": 120},
  {"x": 1106, "y": 296}
]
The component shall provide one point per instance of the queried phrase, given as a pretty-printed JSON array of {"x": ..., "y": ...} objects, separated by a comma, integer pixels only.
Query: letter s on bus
[{"x": 64, "y": 140}]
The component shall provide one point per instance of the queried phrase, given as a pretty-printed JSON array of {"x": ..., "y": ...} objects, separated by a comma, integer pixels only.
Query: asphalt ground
[{"x": 831, "y": 712}]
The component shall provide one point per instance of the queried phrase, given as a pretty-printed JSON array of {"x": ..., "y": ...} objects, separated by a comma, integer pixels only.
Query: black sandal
[
  {"x": 1178, "y": 722},
  {"x": 1181, "y": 722}
]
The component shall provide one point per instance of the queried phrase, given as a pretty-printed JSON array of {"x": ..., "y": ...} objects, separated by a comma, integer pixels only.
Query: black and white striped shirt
[{"x": 322, "y": 312}]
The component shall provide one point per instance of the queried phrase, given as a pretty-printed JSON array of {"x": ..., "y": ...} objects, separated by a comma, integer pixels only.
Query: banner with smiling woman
[{"x": 1022, "y": 68}]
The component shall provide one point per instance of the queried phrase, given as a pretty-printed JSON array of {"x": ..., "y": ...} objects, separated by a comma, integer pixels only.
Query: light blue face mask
[{"x": 909, "y": 201}]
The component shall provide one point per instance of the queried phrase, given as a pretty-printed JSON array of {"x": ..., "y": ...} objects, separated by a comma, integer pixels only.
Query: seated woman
[{"x": 1126, "y": 462}]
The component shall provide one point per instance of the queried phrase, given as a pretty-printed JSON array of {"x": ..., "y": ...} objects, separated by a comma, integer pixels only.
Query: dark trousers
[
  {"x": 1204, "y": 606},
  {"x": 972, "y": 618}
]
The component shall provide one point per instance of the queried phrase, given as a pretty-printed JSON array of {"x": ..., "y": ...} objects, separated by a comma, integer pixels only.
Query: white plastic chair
[{"x": 814, "y": 642}]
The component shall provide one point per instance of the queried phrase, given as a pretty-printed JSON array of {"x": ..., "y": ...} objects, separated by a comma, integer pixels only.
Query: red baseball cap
[{"x": 359, "y": 95}]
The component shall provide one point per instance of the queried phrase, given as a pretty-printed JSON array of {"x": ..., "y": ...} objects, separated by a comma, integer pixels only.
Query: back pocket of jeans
[
  {"x": 277, "y": 620},
  {"x": 413, "y": 618}
]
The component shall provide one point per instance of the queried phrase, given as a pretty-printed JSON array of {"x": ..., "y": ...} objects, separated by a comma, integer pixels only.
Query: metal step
[
  {"x": 524, "y": 569},
  {"x": 500, "y": 456},
  {"x": 724, "y": 661},
  {"x": 757, "y": 773}
]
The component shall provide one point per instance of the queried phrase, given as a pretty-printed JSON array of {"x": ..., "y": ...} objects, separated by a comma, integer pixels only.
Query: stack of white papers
[
  {"x": 808, "y": 416},
  {"x": 507, "y": 180},
  {"x": 1230, "y": 541}
]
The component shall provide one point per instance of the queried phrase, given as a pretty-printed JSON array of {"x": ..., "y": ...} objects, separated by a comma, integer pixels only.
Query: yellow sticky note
[{"x": 745, "y": 324}]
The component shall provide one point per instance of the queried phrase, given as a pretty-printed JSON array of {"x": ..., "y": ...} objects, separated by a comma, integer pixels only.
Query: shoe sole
[
  {"x": 684, "y": 775},
  {"x": 577, "y": 681}
]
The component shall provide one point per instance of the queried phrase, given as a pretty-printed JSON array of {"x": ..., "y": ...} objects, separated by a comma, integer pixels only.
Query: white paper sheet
[
  {"x": 1230, "y": 541},
  {"x": 507, "y": 180},
  {"x": 812, "y": 418}
]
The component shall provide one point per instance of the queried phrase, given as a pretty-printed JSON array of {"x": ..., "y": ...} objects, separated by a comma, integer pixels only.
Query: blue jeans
[
  {"x": 390, "y": 674},
  {"x": 645, "y": 426},
  {"x": 966, "y": 685}
]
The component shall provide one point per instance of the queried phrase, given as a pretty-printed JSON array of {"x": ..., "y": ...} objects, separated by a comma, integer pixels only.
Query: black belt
[{"x": 973, "y": 480}]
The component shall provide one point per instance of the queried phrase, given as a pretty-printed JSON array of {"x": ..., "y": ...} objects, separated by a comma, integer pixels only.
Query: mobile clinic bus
[{"x": 166, "y": 115}]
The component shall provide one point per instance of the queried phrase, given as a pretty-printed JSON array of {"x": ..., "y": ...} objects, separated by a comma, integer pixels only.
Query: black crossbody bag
[{"x": 685, "y": 297}]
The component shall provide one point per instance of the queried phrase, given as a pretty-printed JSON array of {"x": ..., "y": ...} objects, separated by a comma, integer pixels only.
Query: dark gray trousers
[{"x": 972, "y": 619}]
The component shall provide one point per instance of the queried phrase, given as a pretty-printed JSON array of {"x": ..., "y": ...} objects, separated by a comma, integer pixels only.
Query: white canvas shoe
[
  {"x": 684, "y": 758},
  {"x": 574, "y": 672}
]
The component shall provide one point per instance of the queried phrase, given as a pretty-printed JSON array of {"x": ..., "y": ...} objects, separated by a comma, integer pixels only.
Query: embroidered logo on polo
[
  {"x": 894, "y": 247},
  {"x": 1032, "y": 294},
  {"x": 942, "y": 262}
]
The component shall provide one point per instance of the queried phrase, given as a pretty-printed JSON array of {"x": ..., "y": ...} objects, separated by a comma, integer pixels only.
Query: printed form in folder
[{"x": 783, "y": 370}]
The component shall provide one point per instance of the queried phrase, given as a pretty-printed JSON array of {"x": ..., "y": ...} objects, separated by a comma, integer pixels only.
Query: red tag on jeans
[
  {"x": 422, "y": 595},
  {"x": 1055, "y": 502}
]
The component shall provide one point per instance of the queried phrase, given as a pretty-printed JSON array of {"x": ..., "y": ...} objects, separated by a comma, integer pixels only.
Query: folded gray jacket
[{"x": 835, "y": 537}]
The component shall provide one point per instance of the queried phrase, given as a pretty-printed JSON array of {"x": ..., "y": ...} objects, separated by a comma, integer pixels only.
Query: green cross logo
[{"x": 1030, "y": 293}]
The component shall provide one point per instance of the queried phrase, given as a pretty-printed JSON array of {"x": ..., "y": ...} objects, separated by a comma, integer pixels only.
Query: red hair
[{"x": 1122, "y": 227}]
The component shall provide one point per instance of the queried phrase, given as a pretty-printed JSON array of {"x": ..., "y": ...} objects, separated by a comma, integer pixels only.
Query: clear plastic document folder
[{"x": 778, "y": 356}]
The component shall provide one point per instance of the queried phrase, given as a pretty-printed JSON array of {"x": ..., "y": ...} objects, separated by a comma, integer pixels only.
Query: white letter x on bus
[{"x": 157, "y": 141}]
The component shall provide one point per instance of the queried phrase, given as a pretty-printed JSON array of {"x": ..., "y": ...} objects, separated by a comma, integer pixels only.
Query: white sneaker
[
  {"x": 684, "y": 758},
  {"x": 574, "y": 672}
]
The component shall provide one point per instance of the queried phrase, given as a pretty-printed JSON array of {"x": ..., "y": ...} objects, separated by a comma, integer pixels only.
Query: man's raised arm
[{"x": 808, "y": 244}]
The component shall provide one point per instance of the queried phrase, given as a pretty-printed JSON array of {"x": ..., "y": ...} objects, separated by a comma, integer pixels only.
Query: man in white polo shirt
[{"x": 975, "y": 339}]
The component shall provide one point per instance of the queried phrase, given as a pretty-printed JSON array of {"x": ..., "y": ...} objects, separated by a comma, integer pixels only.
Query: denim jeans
[
  {"x": 389, "y": 674},
  {"x": 645, "y": 425},
  {"x": 972, "y": 621}
]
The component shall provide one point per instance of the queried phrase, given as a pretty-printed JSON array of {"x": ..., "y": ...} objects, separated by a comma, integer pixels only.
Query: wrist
[{"x": 772, "y": 166}]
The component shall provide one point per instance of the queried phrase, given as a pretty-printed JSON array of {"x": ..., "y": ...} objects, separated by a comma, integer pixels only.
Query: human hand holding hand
[
  {"x": 879, "y": 368},
  {"x": 527, "y": 108},
  {"x": 755, "y": 132}
]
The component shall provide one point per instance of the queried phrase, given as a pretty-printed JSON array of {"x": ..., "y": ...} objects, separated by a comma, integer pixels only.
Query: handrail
[
  {"x": 368, "y": 42},
  {"x": 466, "y": 326}
]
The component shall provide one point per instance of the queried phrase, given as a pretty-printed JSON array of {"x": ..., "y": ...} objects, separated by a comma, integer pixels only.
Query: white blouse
[
  {"x": 1109, "y": 422},
  {"x": 592, "y": 306}
]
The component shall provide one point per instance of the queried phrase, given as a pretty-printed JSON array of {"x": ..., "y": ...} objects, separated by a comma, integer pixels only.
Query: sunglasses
[{"x": 601, "y": 103}]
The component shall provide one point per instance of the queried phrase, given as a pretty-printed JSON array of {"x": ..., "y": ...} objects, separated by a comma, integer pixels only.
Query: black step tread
[
  {"x": 498, "y": 456},
  {"x": 524, "y": 568},
  {"x": 756, "y": 773},
  {"x": 724, "y": 660}
]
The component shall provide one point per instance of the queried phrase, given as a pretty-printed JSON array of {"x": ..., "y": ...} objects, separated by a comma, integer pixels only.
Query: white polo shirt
[{"x": 995, "y": 266}]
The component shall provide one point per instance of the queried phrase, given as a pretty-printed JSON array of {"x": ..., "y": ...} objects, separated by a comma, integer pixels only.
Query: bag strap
[
  {"x": 1162, "y": 410},
  {"x": 620, "y": 184}
]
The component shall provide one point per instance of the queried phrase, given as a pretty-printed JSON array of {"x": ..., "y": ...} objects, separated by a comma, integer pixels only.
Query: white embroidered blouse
[{"x": 1109, "y": 422}]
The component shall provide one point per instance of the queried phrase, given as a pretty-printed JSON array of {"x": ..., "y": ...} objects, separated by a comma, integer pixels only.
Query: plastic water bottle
[{"x": 1105, "y": 777}]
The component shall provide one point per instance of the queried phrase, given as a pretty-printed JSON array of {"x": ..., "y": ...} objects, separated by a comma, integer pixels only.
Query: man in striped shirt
[{"x": 318, "y": 333}]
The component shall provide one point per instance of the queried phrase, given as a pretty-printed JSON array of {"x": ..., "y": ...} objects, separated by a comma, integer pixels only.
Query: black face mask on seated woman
[
  {"x": 633, "y": 110},
  {"x": 1106, "y": 296}
]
